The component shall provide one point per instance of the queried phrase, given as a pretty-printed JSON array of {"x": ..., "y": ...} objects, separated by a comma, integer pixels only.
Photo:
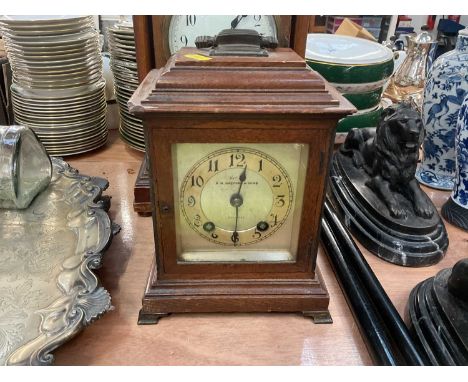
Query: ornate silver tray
[{"x": 48, "y": 291}]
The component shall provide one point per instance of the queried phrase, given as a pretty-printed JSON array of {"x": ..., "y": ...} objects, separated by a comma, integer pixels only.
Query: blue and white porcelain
[
  {"x": 455, "y": 210},
  {"x": 445, "y": 90},
  {"x": 460, "y": 189}
]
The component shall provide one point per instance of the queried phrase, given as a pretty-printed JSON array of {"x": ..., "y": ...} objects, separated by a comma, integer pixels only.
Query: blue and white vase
[
  {"x": 446, "y": 87},
  {"x": 455, "y": 210}
]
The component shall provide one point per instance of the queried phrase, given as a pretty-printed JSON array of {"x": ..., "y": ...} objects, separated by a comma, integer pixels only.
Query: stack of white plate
[
  {"x": 58, "y": 89},
  {"x": 124, "y": 67}
]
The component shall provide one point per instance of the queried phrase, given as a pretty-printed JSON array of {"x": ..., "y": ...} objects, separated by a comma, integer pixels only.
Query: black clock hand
[
  {"x": 236, "y": 201},
  {"x": 236, "y": 21},
  {"x": 242, "y": 178},
  {"x": 235, "y": 234}
]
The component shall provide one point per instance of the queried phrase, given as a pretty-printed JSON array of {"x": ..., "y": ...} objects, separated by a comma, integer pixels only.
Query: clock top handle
[{"x": 237, "y": 42}]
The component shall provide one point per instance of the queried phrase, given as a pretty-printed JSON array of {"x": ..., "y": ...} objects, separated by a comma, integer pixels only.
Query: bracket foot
[
  {"x": 321, "y": 317},
  {"x": 150, "y": 318}
]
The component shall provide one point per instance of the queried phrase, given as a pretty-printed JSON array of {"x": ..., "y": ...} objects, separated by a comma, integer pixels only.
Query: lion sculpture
[{"x": 389, "y": 155}]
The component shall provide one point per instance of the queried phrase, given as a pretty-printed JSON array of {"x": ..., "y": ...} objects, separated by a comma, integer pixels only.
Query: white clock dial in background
[{"x": 183, "y": 30}]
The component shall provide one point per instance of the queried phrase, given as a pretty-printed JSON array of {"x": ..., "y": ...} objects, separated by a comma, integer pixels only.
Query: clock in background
[
  {"x": 183, "y": 30},
  {"x": 158, "y": 37}
]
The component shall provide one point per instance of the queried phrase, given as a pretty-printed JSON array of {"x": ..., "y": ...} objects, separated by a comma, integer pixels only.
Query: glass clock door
[{"x": 238, "y": 202}]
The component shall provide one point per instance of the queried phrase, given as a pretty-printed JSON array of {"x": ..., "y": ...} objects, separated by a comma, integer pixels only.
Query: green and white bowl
[
  {"x": 365, "y": 99},
  {"x": 358, "y": 68},
  {"x": 363, "y": 118}
]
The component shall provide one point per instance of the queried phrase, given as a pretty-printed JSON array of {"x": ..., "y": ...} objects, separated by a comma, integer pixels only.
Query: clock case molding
[
  {"x": 278, "y": 114},
  {"x": 152, "y": 51}
]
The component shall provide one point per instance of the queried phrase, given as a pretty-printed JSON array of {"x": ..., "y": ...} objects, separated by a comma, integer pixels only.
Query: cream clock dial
[
  {"x": 183, "y": 30},
  {"x": 236, "y": 196},
  {"x": 238, "y": 202}
]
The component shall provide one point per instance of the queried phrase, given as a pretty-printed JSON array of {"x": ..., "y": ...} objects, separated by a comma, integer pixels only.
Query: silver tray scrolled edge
[{"x": 48, "y": 290}]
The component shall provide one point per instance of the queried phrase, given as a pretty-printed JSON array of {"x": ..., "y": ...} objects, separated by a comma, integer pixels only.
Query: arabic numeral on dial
[
  {"x": 257, "y": 18},
  {"x": 235, "y": 237},
  {"x": 191, "y": 20},
  {"x": 260, "y": 165},
  {"x": 191, "y": 201},
  {"x": 237, "y": 160},
  {"x": 257, "y": 234},
  {"x": 213, "y": 165},
  {"x": 274, "y": 220},
  {"x": 214, "y": 236},
  {"x": 184, "y": 40},
  {"x": 197, "y": 181},
  {"x": 276, "y": 180},
  {"x": 279, "y": 201},
  {"x": 197, "y": 220}
]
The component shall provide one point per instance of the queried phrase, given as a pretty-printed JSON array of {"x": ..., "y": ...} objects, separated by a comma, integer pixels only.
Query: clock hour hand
[
  {"x": 235, "y": 22},
  {"x": 242, "y": 178}
]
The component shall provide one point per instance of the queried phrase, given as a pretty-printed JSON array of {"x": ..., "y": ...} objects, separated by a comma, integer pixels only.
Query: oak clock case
[{"x": 238, "y": 182}]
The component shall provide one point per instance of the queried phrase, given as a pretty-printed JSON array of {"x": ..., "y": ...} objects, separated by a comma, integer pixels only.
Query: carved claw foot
[
  {"x": 423, "y": 208},
  {"x": 421, "y": 203},
  {"x": 396, "y": 210},
  {"x": 358, "y": 159}
]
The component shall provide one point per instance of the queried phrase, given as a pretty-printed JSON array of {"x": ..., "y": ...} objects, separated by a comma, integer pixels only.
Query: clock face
[
  {"x": 239, "y": 202},
  {"x": 236, "y": 196},
  {"x": 183, "y": 30}
]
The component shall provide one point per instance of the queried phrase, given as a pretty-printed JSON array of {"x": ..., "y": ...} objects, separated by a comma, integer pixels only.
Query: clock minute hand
[
  {"x": 236, "y": 201},
  {"x": 235, "y": 234},
  {"x": 235, "y": 22}
]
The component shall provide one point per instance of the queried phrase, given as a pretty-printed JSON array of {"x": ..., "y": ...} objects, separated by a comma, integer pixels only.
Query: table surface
[{"x": 216, "y": 339}]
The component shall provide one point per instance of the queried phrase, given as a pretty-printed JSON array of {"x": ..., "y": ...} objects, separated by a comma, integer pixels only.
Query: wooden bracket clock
[
  {"x": 158, "y": 37},
  {"x": 239, "y": 138}
]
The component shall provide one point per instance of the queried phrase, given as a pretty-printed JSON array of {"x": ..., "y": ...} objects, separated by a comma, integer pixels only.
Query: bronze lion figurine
[{"x": 389, "y": 155}]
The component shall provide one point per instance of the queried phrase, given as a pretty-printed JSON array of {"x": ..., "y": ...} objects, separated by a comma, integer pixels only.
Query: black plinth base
[
  {"x": 411, "y": 241},
  {"x": 439, "y": 321},
  {"x": 455, "y": 214}
]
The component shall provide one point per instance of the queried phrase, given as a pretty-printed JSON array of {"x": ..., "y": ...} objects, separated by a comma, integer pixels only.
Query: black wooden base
[
  {"x": 439, "y": 321},
  {"x": 455, "y": 214},
  {"x": 382, "y": 328},
  {"x": 412, "y": 241}
]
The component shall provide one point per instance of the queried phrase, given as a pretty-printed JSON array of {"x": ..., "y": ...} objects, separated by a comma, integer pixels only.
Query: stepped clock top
[{"x": 194, "y": 81}]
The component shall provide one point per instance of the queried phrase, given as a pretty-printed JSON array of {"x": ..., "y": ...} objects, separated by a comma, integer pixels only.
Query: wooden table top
[{"x": 216, "y": 339}]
